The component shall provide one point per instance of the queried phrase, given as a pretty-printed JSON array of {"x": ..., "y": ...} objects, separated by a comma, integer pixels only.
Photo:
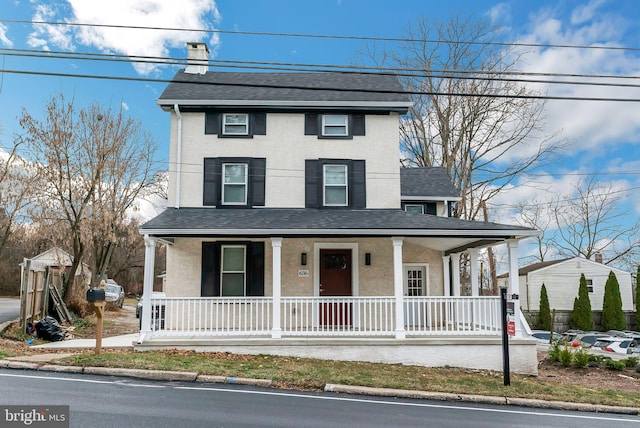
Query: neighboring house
[
  {"x": 562, "y": 279},
  {"x": 292, "y": 227}
]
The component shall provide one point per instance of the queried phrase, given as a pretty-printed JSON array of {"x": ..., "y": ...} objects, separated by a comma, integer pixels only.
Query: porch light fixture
[
  {"x": 367, "y": 259},
  {"x": 303, "y": 259}
]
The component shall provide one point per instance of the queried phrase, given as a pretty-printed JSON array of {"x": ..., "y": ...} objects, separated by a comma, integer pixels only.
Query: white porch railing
[{"x": 324, "y": 316}]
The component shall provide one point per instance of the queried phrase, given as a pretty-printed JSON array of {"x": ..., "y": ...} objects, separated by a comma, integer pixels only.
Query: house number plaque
[{"x": 303, "y": 273}]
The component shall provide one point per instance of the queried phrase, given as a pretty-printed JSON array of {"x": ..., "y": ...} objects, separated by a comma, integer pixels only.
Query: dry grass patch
[{"x": 313, "y": 374}]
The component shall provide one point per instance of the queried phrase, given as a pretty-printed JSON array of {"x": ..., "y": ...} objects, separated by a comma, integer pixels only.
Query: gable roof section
[
  {"x": 427, "y": 183},
  {"x": 286, "y": 90}
]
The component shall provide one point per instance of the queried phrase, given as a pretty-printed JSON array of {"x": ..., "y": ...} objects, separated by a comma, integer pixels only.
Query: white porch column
[
  {"x": 147, "y": 286},
  {"x": 455, "y": 269},
  {"x": 276, "y": 246},
  {"x": 398, "y": 287},
  {"x": 446, "y": 280},
  {"x": 514, "y": 282},
  {"x": 473, "y": 260}
]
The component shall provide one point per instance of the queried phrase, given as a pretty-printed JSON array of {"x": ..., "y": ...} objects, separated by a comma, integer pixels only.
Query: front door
[
  {"x": 415, "y": 285},
  {"x": 335, "y": 280}
]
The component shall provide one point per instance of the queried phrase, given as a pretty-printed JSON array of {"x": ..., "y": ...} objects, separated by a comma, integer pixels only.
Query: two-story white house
[{"x": 292, "y": 228}]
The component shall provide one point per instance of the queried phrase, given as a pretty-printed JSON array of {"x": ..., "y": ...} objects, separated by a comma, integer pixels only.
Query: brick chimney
[
  {"x": 598, "y": 257},
  {"x": 197, "y": 58}
]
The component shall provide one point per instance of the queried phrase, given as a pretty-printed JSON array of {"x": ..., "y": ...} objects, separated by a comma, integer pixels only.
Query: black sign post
[{"x": 505, "y": 338}]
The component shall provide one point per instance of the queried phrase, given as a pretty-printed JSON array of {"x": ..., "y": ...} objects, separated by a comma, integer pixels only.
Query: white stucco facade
[{"x": 282, "y": 146}]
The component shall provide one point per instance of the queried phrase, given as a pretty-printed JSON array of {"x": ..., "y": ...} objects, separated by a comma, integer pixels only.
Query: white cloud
[
  {"x": 189, "y": 14},
  {"x": 585, "y": 12},
  {"x": 592, "y": 125},
  {"x": 3, "y": 36},
  {"x": 45, "y": 34}
]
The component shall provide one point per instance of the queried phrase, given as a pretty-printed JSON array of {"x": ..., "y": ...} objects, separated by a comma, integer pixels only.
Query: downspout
[{"x": 176, "y": 108}]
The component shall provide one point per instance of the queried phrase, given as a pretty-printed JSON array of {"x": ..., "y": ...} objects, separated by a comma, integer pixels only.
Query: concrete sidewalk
[{"x": 123, "y": 341}]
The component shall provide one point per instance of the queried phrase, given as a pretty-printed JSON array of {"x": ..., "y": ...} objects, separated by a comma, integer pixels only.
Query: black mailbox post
[{"x": 95, "y": 295}]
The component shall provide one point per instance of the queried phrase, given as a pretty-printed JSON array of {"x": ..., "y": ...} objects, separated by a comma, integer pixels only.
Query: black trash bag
[{"x": 49, "y": 329}]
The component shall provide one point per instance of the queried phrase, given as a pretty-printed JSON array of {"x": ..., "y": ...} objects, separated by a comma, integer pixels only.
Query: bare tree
[
  {"x": 590, "y": 221},
  {"x": 469, "y": 115},
  {"x": 91, "y": 162},
  {"x": 538, "y": 215},
  {"x": 15, "y": 186}
]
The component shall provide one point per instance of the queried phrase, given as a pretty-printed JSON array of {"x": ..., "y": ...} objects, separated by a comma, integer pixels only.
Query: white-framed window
[
  {"x": 233, "y": 274},
  {"x": 235, "y": 124},
  {"x": 590, "y": 285},
  {"x": 414, "y": 208},
  {"x": 335, "y": 186},
  {"x": 234, "y": 183},
  {"x": 335, "y": 125},
  {"x": 416, "y": 281}
]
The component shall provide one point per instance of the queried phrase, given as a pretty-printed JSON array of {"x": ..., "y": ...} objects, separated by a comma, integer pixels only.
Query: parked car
[
  {"x": 634, "y": 346},
  {"x": 158, "y": 316},
  {"x": 542, "y": 336},
  {"x": 619, "y": 345},
  {"x": 114, "y": 293},
  {"x": 586, "y": 340},
  {"x": 569, "y": 335}
]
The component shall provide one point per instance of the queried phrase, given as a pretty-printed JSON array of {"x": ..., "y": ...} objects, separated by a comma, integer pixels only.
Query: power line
[
  {"x": 378, "y": 91},
  {"x": 323, "y": 36},
  {"x": 329, "y": 68}
]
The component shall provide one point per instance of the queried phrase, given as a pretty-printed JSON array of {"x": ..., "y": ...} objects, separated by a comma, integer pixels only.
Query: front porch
[
  {"x": 457, "y": 331},
  {"x": 360, "y": 292}
]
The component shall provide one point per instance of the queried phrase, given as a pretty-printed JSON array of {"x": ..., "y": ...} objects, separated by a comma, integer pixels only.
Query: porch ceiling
[{"x": 444, "y": 233}]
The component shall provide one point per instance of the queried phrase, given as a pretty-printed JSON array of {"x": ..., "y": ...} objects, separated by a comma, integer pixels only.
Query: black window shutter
[
  {"x": 210, "y": 285},
  {"x": 357, "y": 124},
  {"x": 255, "y": 269},
  {"x": 211, "y": 187},
  {"x": 358, "y": 186},
  {"x": 257, "y": 180},
  {"x": 431, "y": 208},
  {"x": 211, "y": 122},
  {"x": 259, "y": 124},
  {"x": 311, "y": 183},
  {"x": 310, "y": 124}
]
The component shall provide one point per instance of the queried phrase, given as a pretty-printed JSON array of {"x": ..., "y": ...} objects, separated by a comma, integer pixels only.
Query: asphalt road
[
  {"x": 9, "y": 309},
  {"x": 105, "y": 401}
]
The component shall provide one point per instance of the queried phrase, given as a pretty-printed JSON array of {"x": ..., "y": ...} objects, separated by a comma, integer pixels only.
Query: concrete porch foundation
[{"x": 463, "y": 352}]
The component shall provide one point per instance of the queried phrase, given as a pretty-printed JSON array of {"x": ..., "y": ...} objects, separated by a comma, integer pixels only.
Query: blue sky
[{"x": 602, "y": 137}]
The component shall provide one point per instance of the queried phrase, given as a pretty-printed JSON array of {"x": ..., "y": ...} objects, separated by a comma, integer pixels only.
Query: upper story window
[
  {"x": 414, "y": 209},
  {"x": 335, "y": 183},
  {"x": 419, "y": 207},
  {"x": 226, "y": 124},
  {"x": 235, "y": 124},
  {"x": 234, "y": 182},
  {"x": 335, "y": 125},
  {"x": 332, "y": 125},
  {"x": 336, "y": 187},
  {"x": 234, "y": 179}
]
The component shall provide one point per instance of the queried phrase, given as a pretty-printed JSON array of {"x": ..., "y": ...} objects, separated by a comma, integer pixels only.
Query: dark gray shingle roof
[
  {"x": 221, "y": 87},
  {"x": 427, "y": 182},
  {"x": 298, "y": 220}
]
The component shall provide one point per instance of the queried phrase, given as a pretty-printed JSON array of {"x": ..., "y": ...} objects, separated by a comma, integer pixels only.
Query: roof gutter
[
  {"x": 176, "y": 108},
  {"x": 496, "y": 234}
]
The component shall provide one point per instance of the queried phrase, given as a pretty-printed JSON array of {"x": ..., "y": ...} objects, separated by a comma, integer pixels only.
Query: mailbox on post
[{"x": 95, "y": 295}]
